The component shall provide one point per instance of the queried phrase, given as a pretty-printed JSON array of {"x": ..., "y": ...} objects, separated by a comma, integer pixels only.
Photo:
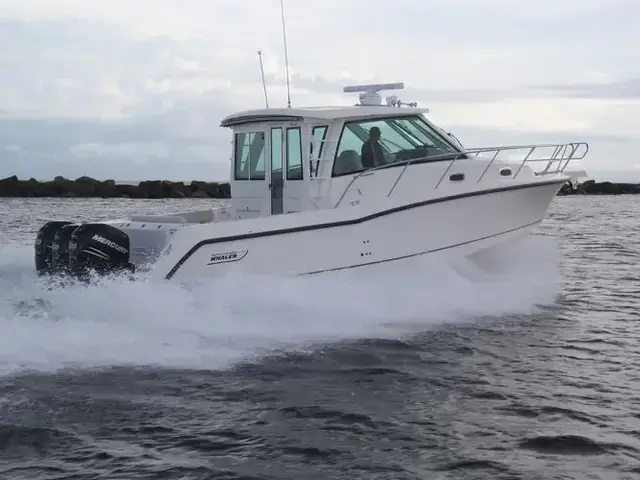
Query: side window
[
  {"x": 348, "y": 160},
  {"x": 249, "y": 156},
  {"x": 401, "y": 138},
  {"x": 319, "y": 134},
  {"x": 349, "y": 141},
  {"x": 390, "y": 139},
  {"x": 294, "y": 154}
]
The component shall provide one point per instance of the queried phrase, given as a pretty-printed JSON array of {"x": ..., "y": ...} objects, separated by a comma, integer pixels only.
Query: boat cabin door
[
  {"x": 276, "y": 177},
  {"x": 268, "y": 170},
  {"x": 286, "y": 172}
]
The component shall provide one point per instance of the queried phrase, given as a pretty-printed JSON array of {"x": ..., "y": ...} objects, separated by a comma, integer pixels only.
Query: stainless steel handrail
[{"x": 559, "y": 155}]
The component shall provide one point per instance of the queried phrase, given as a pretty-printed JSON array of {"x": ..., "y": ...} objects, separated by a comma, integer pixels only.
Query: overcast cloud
[{"x": 136, "y": 89}]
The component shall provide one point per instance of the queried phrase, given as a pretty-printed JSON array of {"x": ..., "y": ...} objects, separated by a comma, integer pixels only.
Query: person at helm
[{"x": 371, "y": 152}]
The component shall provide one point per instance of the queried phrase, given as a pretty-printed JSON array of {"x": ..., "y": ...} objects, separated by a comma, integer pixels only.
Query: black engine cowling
[
  {"x": 100, "y": 248},
  {"x": 78, "y": 249},
  {"x": 44, "y": 246},
  {"x": 60, "y": 247}
]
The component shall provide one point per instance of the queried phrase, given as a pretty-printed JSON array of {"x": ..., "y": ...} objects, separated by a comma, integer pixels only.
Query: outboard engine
[
  {"x": 99, "y": 247},
  {"x": 60, "y": 247},
  {"x": 44, "y": 246}
]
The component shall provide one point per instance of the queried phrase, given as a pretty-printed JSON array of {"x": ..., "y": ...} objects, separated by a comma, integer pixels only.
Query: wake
[{"x": 218, "y": 323}]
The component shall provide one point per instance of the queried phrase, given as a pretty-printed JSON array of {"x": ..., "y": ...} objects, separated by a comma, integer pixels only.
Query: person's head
[{"x": 374, "y": 133}]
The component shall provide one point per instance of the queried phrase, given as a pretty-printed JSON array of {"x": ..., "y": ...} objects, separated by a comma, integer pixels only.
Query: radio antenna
[
  {"x": 264, "y": 84},
  {"x": 286, "y": 56}
]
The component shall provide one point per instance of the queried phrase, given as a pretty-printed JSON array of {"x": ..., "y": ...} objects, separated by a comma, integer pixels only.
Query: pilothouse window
[
  {"x": 400, "y": 138},
  {"x": 319, "y": 134},
  {"x": 249, "y": 156}
]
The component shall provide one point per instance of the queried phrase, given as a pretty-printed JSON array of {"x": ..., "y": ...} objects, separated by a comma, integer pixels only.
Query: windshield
[{"x": 400, "y": 138}]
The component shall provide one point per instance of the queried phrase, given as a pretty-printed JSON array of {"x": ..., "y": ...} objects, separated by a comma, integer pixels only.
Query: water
[{"x": 527, "y": 371}]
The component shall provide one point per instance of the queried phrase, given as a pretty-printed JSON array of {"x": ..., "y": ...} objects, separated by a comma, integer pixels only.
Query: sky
[{"x": 136, "y": 89}]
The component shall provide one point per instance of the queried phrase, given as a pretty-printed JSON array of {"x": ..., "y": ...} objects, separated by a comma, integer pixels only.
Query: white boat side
[
  {"x": 365, "y": 234},
  {"x": 311, "y": 192}
]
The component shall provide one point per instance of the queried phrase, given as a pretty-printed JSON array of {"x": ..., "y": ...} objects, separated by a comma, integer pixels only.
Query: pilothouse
[{"x": 320, "y": 189}]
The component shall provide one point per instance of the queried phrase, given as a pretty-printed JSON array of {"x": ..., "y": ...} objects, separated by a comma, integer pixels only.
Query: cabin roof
[{"x": 317, "y": 113}]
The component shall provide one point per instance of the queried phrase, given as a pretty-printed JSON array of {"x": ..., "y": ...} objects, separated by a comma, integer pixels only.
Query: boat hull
[{"x": 461, "y": 224}]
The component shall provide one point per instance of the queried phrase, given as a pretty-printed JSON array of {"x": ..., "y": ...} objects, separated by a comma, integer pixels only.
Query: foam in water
[{"x": 217, "y": 323}]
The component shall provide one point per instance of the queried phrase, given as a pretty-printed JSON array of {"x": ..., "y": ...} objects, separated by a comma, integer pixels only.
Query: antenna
[
  {"x": 264, "y": 84},
  {"x": 286, "y": 56}
]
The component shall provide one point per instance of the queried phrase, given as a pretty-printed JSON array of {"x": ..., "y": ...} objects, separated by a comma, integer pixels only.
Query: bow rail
[{"x": 562, "y": 153}]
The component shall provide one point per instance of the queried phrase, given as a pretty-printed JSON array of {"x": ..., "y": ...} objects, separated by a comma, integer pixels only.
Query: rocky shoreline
[
  {"x": 591, "y": 187},
  {"x": 86, "y": 187}
]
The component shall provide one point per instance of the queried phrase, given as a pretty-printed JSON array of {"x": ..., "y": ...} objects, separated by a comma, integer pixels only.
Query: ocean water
[{"x": 529, "y": 369}]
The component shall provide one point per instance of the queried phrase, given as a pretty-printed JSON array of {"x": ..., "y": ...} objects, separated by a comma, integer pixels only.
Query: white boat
[{"x": 305, "y": 198}]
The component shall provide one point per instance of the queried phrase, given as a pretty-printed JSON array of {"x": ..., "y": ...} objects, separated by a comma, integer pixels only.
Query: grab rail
[{"x": 563, "y": 152}]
